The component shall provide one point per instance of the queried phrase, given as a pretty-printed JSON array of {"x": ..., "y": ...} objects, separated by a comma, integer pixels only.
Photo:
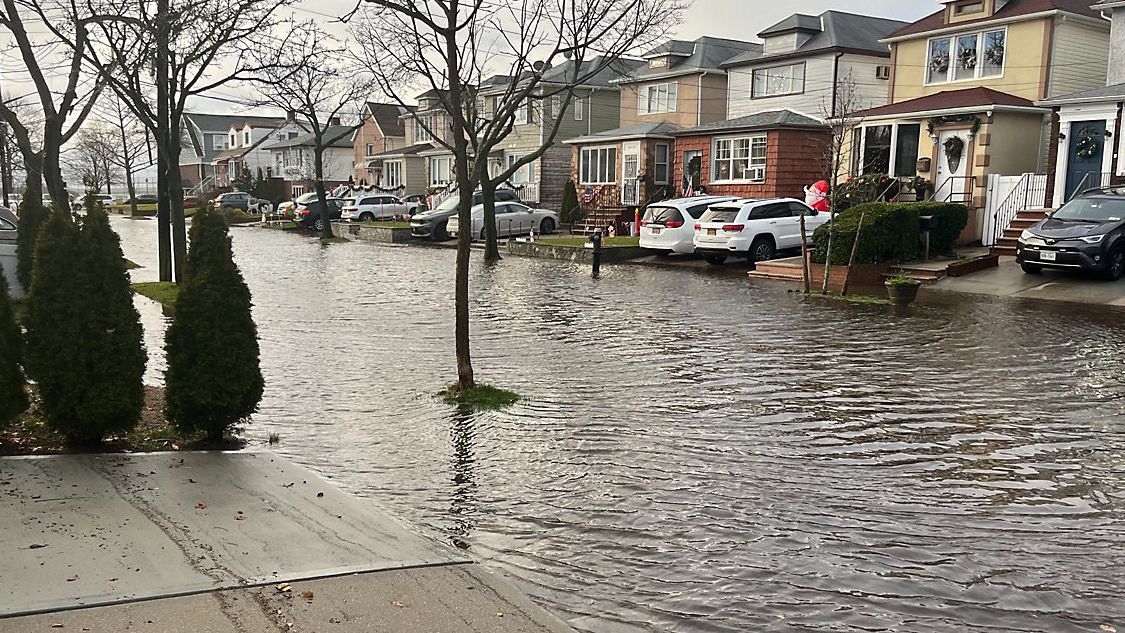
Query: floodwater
[{"x": 699, "y": 452}]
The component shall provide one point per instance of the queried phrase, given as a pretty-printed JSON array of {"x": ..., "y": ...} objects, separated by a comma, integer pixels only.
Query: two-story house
[
  {"x": 382, "y": 129},
  {"x": 963, "y": 87},
  {"x": 680, "y": 85},
  {"x": 775, "y": 140},
  {"x": 206, "y": 136},
  {"x": 420, "y": 165},
  {"x": 293, "y": 157},
  {"x": 1086, "y": 134},
  {"x": 245, "y": 154}
]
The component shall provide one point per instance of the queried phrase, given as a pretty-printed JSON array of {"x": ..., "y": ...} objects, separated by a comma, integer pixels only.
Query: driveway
[{"x": 1008, "y": 280}]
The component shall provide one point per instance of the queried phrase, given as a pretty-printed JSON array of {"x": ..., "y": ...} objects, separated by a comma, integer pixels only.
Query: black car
[
  {"x": 1087, "y": 233},
  {"x": 432, "y": 224},
  {"x": 309, "y": 215},
  {"x": 144, "y": 198}
]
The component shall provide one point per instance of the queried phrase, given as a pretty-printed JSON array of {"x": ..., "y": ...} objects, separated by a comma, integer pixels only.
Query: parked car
[
  {"x": 8, "y": 258},
  {"x": 288, "y": 209},
  {"x": 756, "y": 229},
  {"x": 191, "y": 202},
  {"x": 105, "y": 199},
  {"x": 669, "y": 226},
  {"x": 309, "y": 215},
  {"x": 512, "y": 218},
  {"x": 1087, "y": 233},
  {"x": 371, "y": 208},
  {"x": 432, "y": 224},
  {"x": 144, "y": 198},
  {"x": 242, "y": 201},
  {"x": 415, "y": 203},
  {"x": 8, "y": 219}
]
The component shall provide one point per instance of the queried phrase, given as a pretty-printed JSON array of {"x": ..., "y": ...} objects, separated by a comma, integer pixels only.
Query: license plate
[
  {"x": 712, "y": 231},
  {"x": 1048, "y": 256},
  {"x": 656, "y": 231}
]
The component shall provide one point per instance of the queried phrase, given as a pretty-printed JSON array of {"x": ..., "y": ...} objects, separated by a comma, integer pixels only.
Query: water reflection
[{"x": 703, "y": 453}]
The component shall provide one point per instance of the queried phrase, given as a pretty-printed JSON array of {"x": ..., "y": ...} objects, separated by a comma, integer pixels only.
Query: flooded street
[{"x": 699, "y": 452}]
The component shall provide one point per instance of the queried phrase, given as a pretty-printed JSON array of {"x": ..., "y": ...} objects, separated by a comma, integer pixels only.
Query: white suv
[
  {"x": 668, "y": 227},
  {"x": 371, "y": 208},
  {"x": 757, "y": 229}
]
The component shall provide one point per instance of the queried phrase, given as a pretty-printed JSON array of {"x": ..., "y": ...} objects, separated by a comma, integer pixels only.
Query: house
[
  {"x": 292, "y": 160},
  {"x": 963, "y": 87},
  {"x": 815, "y": 65},
  {"x": 419, "y": 165},
  {"x": 1086, "y": 132},
  {"x": 763, "y": 155},
  {"x": 245, "y": 155},
  {"x": 382, "y": 129},
  {"x": 680, "y": 85},
  {"x": 205, "y": 136}
]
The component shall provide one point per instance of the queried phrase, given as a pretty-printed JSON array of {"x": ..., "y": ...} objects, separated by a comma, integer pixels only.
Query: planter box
[
  {"x": 865, "y": 276},
  {"x": 371, "y": 233},
  {"x": 574, "y": 254},
  {"x": 960, "y": 269}
]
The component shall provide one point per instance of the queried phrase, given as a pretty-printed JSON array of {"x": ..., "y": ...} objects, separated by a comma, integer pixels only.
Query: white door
[{"x": 953, "y": 163}]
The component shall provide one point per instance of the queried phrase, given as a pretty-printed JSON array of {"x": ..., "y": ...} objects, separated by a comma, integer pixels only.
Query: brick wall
[
  {"x": 792, "y": 163},
  {"x": 1052, "y": 156}
]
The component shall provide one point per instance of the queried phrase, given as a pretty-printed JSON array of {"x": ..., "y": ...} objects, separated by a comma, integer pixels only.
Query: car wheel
[
  {"x": 762, "y": 250},
  {"x": 1032, "y": 269},
  {"x": 319, "y": 225},
  {"x": 440, "y": 234},
  {"x": 547, "y": 226},
  {"x": 367, "y": 217},
  {"x": 715, "y": 260},
  {"x": 1115, "y": 266},
  {"x": 483, "y": 234}
]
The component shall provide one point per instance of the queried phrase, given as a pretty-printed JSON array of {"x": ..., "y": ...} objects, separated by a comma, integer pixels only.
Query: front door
[
  {"x": 953, "y": 163},
  {"x": 1084, "y": 161},
  {"x": 693, "y": 172},
  {"x": 629, "y": 182}
]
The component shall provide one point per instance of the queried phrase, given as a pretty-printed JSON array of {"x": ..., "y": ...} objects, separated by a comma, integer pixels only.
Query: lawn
[
  {"x": 580, "y": 241},
  {"x": 387, "y": 225},
  {"x": 162, "y": 292}
]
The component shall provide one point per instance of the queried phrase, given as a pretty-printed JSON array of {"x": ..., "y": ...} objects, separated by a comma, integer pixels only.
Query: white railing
[
  {"x": 1007, "y": 196},
  {"x": 528, "y": 192}
]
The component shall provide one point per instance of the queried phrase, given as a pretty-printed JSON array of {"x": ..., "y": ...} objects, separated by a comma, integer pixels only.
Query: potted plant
[
  {"x": 903, "y": 290},
  {"x": 921, "y": 187}
]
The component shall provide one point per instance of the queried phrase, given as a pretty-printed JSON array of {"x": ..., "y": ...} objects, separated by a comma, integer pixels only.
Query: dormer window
[
  {"x": 659, "y": 62},
  {"x": 968, "y": 8},
  {"x": 232, "y": 141}
]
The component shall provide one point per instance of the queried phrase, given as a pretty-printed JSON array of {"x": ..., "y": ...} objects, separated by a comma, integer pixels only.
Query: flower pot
[
  {"x": 903, "y": 294},
  {"x": 920, "y": 193}
]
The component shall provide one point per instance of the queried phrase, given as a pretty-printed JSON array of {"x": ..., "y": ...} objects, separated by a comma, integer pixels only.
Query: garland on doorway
[{"x": 932, "y": 124}]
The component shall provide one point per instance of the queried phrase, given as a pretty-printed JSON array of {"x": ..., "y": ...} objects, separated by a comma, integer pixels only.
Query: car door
[
  {"x": 813, "y": 219},
  {"x": 783, "y": 224},
  {"x": 509, "y": 218}
]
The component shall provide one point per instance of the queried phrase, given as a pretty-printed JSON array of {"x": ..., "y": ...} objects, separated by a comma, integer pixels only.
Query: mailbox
[
  {"x": 924, "y": 165},
  {"x": 927, "y": 223}
]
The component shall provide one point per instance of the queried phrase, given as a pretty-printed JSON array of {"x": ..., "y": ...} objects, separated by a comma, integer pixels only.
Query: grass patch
[
  {"x": 860, "y": 299},
  {"x": 284, "y": 226},
  {"x": 480, "y": 397},
  {"x": 334, "y": 240},
  {"x": 132, "y": 265},
  {"x": 387, "y": 224},
  {"x": 580, "y": 242},
  {"x": 162, "y": 292}
]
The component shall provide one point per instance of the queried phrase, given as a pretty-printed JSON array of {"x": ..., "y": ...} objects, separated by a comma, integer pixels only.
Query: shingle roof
[
  {"x": 795, "y": 22},
  {"x": 640, "y": 130},
  {"x": 409, "y": 150},
  {"x": 1014, "y": 8},
  {"x": 223, "y": 122},
  {"x": 949, "y": 100},
  {"x": 616, "y": 69},
  {"x": 308, "y": 138},
  {"x": 1105, "y": 93},
  {"x": 841, "y": 31},
  {"x": 1107, "y": 4},
  {"x": 760, "y": 121},
  {"x": 387, "y": 116},
  {"x": 705, "y": 53}
]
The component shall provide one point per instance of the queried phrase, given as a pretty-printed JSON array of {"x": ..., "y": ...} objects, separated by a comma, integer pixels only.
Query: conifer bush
[
  {"x": 32, "y": 216},
  {"x": 13, "y": 391},
  {"x": 569, "y": 203},
  {"x": 85, "y": 345},
  {"x": 214, "y": 380}
]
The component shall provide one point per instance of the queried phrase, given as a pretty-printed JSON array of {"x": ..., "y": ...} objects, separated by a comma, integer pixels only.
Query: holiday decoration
[
  {"x": 1088, "y": 144},
  {"x": 995, "y": 54},
  {"x": 967, "y": 58},
  {"x": 939, "y": 63},
  {"x": 954, "y": 149}
]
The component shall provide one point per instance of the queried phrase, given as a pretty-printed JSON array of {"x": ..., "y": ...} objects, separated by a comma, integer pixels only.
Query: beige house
[{"x": 382, "y": 129}]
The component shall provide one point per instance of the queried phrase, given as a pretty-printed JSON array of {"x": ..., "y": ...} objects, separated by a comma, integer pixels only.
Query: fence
[{"x": 1007, "y": 196}]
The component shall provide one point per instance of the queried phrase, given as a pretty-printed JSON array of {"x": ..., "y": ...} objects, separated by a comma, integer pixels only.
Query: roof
[
  {"x": 409, "y": 150},
  {"x": 387, "y": 115},
  {"x": 1105, "y": 5},
  {"x": 615, "y": 69},
  {"x": 841, "y": 32},
  {"x": 224, "y": 122},
  {"x": 759, "y": 121},
  {"x": 640, "y": 130},
  {"x": 308, "y": 138},
  {"x": 1014, "y": 9},
  {"x": 979, "y": 97},
  {"x": 705, "y": 53},
  {"x": 1105, "y": 93}
]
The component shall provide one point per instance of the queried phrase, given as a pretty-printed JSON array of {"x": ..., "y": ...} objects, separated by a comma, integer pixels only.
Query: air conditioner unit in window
[{"x": 882, "y": 72}]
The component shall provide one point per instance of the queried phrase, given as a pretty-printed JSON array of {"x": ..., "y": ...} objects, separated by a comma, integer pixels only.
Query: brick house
[
  {"x": 764, "y": 155},
  {"x": 381, "y": 130}
]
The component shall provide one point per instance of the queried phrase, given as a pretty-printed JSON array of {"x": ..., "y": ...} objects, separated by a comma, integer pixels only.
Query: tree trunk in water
[
  {"x": 488, "y": 198},
  {"x": 321, "y": 195},
  {"x": 465, "y": 378}
]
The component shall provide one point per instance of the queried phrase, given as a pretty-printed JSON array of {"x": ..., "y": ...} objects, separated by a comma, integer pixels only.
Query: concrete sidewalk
[
  {"x": 202, "y": 541},
  {"x": 1008, "y": 280}
]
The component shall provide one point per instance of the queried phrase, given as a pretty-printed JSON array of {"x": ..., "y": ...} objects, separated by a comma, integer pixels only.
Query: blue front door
[{"x": 1084, "y": 162}]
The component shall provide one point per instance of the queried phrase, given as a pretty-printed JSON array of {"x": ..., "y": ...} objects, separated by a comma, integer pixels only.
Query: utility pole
[{"x": 163, "y": 106}]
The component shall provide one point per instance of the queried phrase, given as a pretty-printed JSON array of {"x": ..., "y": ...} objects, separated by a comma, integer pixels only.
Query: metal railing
[
  {"x": 950, "y": 181},
  {"x": 1029, "y": 193},
  {"x": 630, "y": 191},
  {"x": 1091, "y": 180}
]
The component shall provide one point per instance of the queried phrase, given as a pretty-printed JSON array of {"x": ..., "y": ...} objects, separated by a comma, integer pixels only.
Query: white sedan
[{"x": 512, "y": 218}]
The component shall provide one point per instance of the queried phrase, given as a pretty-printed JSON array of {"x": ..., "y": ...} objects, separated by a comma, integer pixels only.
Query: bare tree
[
  {"x": 63, "y": 110},
  {"x": 311, "y": 79},
  {"x": 843, "y": 122},
  {"x": 454, "y": 44},
  {"x": 131, "y": 144},
  {"x": 91, "y": 157}
]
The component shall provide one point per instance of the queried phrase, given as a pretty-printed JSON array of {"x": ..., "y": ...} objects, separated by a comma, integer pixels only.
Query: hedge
[
  {"x": 13, "y": 392},
  {"x": 890, "y": 232}
]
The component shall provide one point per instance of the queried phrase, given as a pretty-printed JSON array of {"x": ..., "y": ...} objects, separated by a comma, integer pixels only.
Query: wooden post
[
  {"x": 851, "y": 259},
  {"x": 806, "y": 273}
]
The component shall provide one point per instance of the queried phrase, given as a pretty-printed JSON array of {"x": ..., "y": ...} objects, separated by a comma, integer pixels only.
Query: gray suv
[{"x": 432, "y": 224}]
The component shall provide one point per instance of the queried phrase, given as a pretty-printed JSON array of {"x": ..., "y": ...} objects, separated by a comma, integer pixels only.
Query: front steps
[{"x": 1006, "y": 245}]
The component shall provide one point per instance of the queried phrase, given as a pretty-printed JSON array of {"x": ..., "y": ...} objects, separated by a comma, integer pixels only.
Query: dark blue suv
[{"x": 1087, "y": 233}]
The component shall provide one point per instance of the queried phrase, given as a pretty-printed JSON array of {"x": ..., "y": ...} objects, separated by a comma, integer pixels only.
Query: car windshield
[
  {"x": 450, "y": 204},
  {"x": 1092, "y": 210},
  {"x": 306, "y": 198},
  {"x": 719, "y": 215},
  {"x": 660, "y": 215}
]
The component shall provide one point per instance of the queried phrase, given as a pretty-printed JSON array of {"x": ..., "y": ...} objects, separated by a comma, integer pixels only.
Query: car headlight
[
  {"x": 1027, "y": 235},
  {"x": 1093, "y": 239}
]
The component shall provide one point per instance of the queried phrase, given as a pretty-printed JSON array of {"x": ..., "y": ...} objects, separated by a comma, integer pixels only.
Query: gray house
[{"x": 205, "y": 137}]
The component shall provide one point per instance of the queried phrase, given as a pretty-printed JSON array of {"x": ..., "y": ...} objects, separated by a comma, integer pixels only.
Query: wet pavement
[
  {"x": 1009, "y": 280},
  {"x": 700, "y": 452}
]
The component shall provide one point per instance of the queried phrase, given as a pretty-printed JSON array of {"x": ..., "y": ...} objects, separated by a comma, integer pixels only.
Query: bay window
[
  {"x": 441, "y": 171},
  {"x": 778, "y": 81},
  {"x": 598, "y": 166},
  {"x": 886, "y": 149},
  {"x": 657, "y": 98},
  {"x": 966, "y": 56},
  {"x": 740, "y": 159}
]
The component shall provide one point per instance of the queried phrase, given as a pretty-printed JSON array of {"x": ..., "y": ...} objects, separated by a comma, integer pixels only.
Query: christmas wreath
[
  {"x": 939, "y": 63},
  {"x": 995, "y": 54},
  {"x": 967, "y": 57},
  {"x": 1087, "y": 146}
]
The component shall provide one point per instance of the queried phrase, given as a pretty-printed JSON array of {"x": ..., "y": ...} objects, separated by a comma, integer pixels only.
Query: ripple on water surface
[{"x": 702, "y": 453}]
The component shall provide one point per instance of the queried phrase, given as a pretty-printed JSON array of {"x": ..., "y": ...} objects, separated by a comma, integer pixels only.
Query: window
[
  {"x": 966, "y": 56},
  {"x": 598, "y": 166},
  {"x": 246, "y": 137},
  {"x": 370, "y": 149},
  {"x": 777, "y": 81},
  {"x": 579, "y": 109},
  {"x": 886, "y": 149},
  {"x": 522, "y": 113},
  {"x": 964, "y": 8},
  {"x": 798, "y": 209},
  {"x": 218, "y": 142},
  {"x": 556, "y": 105},
  {"x": 740, "y": 159},
  {"x": 292, "y": 135},
  {"x": 6, "y": 225},
  {"x": 657, "y": 98},
  {"x": 521, "y": 175},
  {"x": 660, "y": 165},
  {"x": 392, "y": 174},
  {"x": 232, "y": 140},
  {"x": 877, "y": 149},
  {"x": 771, "y": 211},
  {"x": 906, "y": 150},
  {"x": 441, "y": 171},
  {"x": 422, "y": 128},
  {"x": 298, "y": 190}
]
